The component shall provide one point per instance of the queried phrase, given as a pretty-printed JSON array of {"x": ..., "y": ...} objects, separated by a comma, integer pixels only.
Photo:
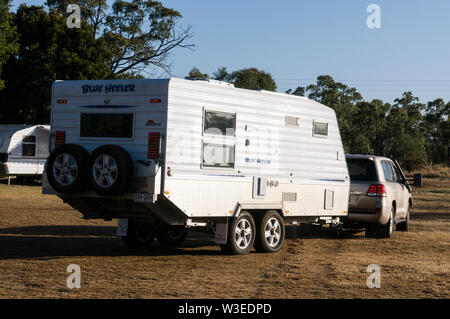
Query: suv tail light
[
  {"x": 376, "y": 190},
  {"x": 153, "y": 145}
]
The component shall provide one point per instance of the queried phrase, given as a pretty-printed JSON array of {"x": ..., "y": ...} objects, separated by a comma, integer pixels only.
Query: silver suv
[{"x": 380, "y": 196}]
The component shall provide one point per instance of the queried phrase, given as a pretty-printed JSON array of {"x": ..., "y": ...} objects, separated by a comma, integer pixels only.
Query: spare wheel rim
[
  {"x": 65, "y": 169},
  {"x": 105, "y": 171}
]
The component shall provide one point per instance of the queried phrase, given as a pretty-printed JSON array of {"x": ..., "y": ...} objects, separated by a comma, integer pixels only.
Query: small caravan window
[
  {"x": 218, "y": 155},
  {"x": 29, "y": 145},
  {"x": 320, "y": 129},
  {"x": 28, "y": 149},
  {"x": 112, "y": 125},
  {"x": 219, "y": 123}
]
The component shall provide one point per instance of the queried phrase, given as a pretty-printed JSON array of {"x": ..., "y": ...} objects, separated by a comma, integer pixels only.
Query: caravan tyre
[
  {"x": 241, "y": 235},
  {"x": 171, "y": 236},
  {"x": 110, "y": 170},
  {"x": 139, "y": 235},
  {"x": 270, "y": 232},
  {"x": 66, "y": 168}
]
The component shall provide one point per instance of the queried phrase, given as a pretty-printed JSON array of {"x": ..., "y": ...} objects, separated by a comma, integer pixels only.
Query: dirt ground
[{"x": 40, "y": 236}]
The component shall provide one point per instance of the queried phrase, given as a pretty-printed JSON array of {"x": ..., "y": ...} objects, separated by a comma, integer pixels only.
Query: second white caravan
[
  {"x": 166, "y": 155},
  {"x": 23, "y": 150}
]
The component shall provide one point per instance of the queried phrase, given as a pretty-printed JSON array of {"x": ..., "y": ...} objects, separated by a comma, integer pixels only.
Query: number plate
[
  {"x": 143, "y": 198},
  {"x": 353, "y": 199}
]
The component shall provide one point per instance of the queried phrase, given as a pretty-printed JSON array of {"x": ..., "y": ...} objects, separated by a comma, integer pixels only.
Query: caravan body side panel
[{"x": 306, "y": 175}]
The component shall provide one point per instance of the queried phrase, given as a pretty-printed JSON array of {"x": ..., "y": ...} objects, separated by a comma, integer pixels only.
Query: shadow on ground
[
  {"x": 15, "y": 181},
  {"x": 47, "y": 242}
]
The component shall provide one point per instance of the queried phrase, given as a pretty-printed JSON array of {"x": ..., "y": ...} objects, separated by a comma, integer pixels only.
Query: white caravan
[
  {"x": 166, "y": 155},
  {"x": 23, "y": 150}
]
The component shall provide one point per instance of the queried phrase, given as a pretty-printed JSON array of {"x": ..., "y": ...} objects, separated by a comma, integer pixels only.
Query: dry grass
[
  {"x": 436, "y": 171},
  {"x": 40, "y": 236}
]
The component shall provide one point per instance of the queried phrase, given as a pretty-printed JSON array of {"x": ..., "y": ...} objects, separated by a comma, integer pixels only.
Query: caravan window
[
  {"x": 219, "y": 123},
  {"x": 320, "y": 129},
  {"x": 112, "y": 125},
  {"x": 218, "y": 155},
  {"x": 29, "y": 145}
]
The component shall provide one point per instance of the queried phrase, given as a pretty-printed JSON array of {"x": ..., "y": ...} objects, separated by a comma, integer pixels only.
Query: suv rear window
[{"x": 361, "y": 170}]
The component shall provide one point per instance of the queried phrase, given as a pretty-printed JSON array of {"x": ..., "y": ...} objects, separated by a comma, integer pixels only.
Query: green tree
[
  {"x": 139, "y": 33},
  {"x": 48, "y": 51},
  {"x": 405, "y": 137},
  {"x": 222, "y": 74},
  {"x": 299, "y": 91},
  {"x": 252, "y": 79},
  {"x": 437, "y": 130},
  {"x": 196, "y": 74},
  {"x": 369, "y": 125},
  {"x": 8, "y": 37}
]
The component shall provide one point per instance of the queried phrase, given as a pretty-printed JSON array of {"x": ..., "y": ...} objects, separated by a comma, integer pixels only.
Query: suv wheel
[
  {"x": 404, "y": 226},
  {"x": 382, "y": 231}
]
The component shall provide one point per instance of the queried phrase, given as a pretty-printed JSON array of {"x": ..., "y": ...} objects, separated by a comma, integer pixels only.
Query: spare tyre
[
  {"x": 110, "y": 170},
  {"x": 66, "y": 168}
]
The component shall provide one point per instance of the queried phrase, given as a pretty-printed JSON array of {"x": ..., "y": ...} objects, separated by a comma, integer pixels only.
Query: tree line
[{"x": 129, "y": 38}]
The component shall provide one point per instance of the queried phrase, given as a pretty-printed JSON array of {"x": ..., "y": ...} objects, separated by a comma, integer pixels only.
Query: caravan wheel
[
  {"x": 171, "y": 236},
  {"x": 270, "y": 233},
  {"x": 66, "y": 168},
  {"x": 241, "y": 235},
  {"x": 139, "y": 235}
]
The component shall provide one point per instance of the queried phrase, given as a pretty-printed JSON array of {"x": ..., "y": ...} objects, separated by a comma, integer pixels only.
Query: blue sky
[{"x": 296, "y": 41}]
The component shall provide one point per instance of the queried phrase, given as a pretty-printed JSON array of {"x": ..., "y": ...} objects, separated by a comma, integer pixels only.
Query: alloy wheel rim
[
  {"x": 243, "y": 233},
  {"x": 272, "y": 232},
  {"x": 105, "y": 171},
  {"x": 65, "y": 169}
]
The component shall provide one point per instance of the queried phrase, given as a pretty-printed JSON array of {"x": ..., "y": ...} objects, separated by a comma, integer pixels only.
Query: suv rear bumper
[{"x": 379, "y": 215}]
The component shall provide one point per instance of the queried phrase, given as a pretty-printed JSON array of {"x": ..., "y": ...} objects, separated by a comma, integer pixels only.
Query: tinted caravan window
[
  {"x": 361, "y": 170},
  {"x": 29, "y": 145},
  {"x": 219, "y": 123},
  {"x": 320, "y": 129},
  {"x": 115, "y": 125}
]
